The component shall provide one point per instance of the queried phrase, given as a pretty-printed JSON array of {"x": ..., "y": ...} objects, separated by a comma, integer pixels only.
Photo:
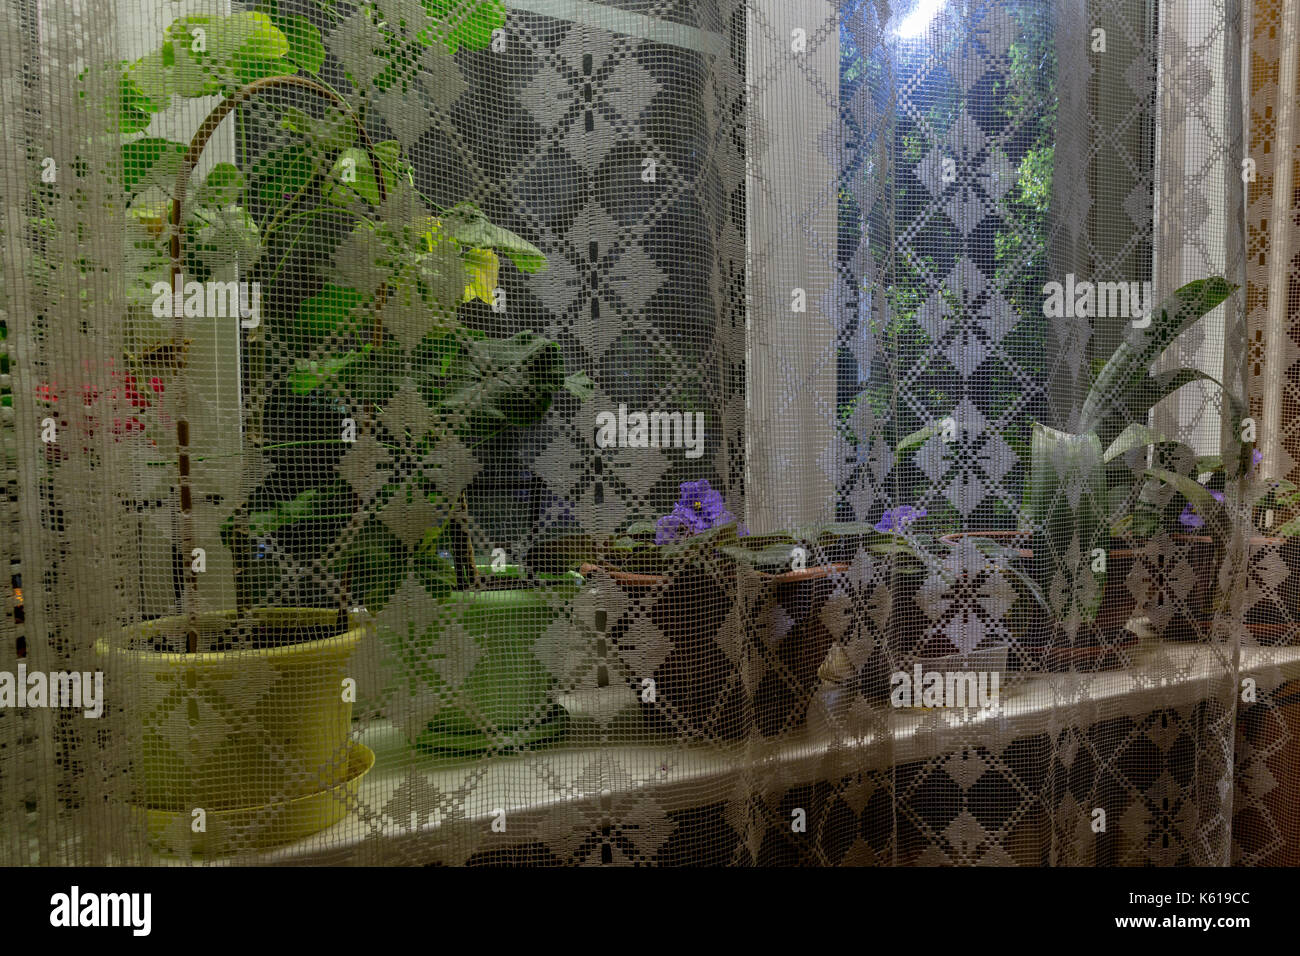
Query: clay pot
[
  {"x": 1040, "y": 644},
  {"x": 698, "y": 690},
  {"x": 794, "y": 602},
  {"x": 1176, "y": 586}
]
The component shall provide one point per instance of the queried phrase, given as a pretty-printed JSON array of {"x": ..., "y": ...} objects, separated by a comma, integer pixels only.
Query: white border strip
[{"x": 625, "y": 22}]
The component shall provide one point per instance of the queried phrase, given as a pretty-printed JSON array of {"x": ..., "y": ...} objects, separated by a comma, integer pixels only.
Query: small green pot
[{"x": 504, "y": 702}]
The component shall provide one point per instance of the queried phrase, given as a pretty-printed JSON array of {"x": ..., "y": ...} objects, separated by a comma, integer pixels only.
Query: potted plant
[
  {"x": 246, "y": 713},
  {"x": 1271, "y": 561},
  {"x": 750, "y": 627},
  {"x": 837, "y": 611},
  {"x": 1077, "y": 541},
  {"x": 675, "y": 575}
]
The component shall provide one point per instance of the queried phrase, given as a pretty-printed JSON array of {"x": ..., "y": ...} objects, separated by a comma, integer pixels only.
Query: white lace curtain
[{"x": 581, "y": 487}]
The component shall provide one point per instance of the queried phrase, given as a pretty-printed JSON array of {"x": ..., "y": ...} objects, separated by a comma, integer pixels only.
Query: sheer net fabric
[{"x": 560, "y": 433}]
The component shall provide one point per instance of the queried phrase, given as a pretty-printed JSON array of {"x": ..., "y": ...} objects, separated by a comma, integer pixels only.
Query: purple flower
[
  {"x": 1256, "y": 457},
  {"x": 1191, "y": 519},
  {"x": 669, "y": 528},
  {"x": 698, "y": 509},
  {"x": 894, "y": 520}
]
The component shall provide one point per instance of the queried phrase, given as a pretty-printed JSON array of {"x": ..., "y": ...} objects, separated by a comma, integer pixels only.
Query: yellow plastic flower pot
[
  {"x": 238, "y": 729},
  {"x": 260, "y": 827}
]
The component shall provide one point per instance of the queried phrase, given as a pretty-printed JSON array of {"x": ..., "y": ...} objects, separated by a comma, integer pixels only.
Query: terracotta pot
[
  {"x": 1276, "y": 608},
  {"x": 793, "y": 602},
  {"x": 698, "y": 689},
  {"x": 1039, "y": 642},
  {"x": 1175, "y": 586}
]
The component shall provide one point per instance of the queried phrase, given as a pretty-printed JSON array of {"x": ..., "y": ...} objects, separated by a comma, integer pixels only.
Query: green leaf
[
  {"x": 222, "y": 187},
  {"x": 352, "y": 175},
  {"x": 224, "y": 237},
  {"x": 468, "y": 25},
  {"x": 283, "y": 171},
  {"x": 1129, "y": 367},
  {"x": 1060, "y": 462},
  {"x": 1065, "y": 500},
  {"x": 917, "y": 439},
  {"x": 467, "y": 225},
  {"x": 581, "y": 385},
  {"x": 376, "y": 563},
  {"x": 772, "y": 557},
  {"x": 327, "y": 312},
  {"x": 333, "y": 132},
  {"x": 201, "y": 55},
  {"x": 1135, "y": 436},
  {"x": 1205, "y": 504},
  {"x": 304, "y": 507},
  {"x": 305, "y": 47},
  {"x": 152, "y": 154},
  {"x": 500, "y": 383},
  {"x": 1157, "y": 387},
  {"x": 149, "y": 77},
  {"x": 1008, "y": 560},
  {"x": 311, "y": 375},
  {"x": 134, "y": 109}
]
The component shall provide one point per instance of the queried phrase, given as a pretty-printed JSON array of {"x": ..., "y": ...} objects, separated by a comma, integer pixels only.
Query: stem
[
  {"x": 462, "y": 547},
  {"x": 241, "y": 534}
]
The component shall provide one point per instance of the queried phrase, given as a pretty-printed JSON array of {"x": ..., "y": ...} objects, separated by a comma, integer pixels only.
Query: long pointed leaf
[
  {"x": 1065, "y": 500},
  {"x": 1135, "y": 436},
  {"x": 1129, "y": 367}
]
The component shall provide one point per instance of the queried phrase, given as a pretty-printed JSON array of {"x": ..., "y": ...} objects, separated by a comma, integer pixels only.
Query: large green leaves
[
  {"x": 206, "y": 55},
  {"x": 1126, "y": 381},
  {"x": 1064, "y": 510},
  {"x": 467, "y": 225},
  {"x": 311, "y": 374},
  {"x": 306, "y": 51},
  {"x": 468, "y": 25},
  {"x": 225, "y": 238},
  {"x": 203, "y": 55},
  {"x": 493, "y": 384},
  {"x": 352, "y": 177},
  {"x": 333, "y": 309},
  {"x": 223, "y": 186},
  {"x": 150, "y": 160}
]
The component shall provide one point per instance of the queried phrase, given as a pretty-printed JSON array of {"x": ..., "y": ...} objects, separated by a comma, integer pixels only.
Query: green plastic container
[
  {"x": 504, "y": 701},
  {"x": 237, "y": 729}
]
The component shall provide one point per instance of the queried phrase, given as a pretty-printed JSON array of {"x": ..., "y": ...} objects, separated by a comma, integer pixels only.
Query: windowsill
[{"x": 684, "y": 777}]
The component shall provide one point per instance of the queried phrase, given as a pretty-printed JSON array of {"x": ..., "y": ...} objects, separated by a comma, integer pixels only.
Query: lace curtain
[{"x": 623, "y": 431}]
